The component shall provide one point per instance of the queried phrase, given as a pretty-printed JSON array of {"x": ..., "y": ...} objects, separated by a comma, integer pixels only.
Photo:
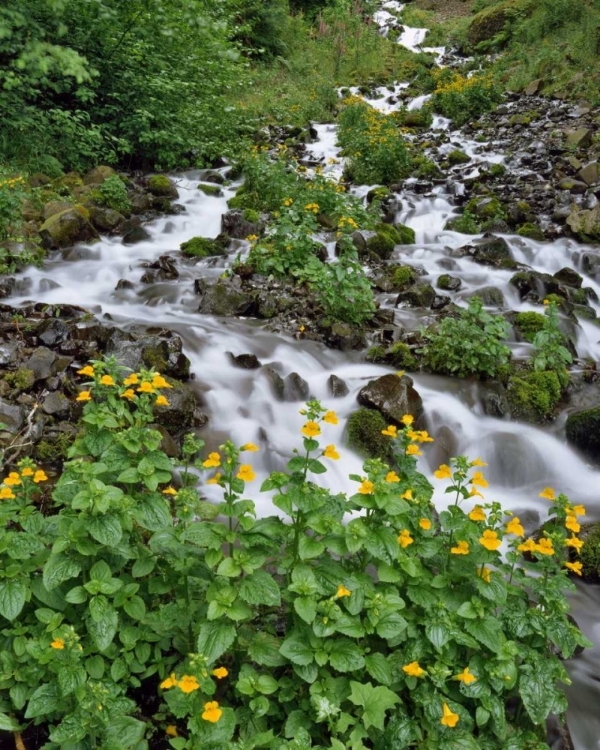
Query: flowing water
[{"x": 522, "y": 459}]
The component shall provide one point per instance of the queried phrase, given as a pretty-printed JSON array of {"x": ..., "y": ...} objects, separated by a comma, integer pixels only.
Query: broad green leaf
[
  {"x": 8, "y": 724},
  {"x": 135, "y": 608},
  {"x": 104, "y": 631},
  {"x": 215, "y": 638},
  {"x": 487, "y": 631},
  {"x": 536, "y": 686},
  {"x": 264, "y": 649},
  {"x": 267, "y": 684},
  {"x": 13, "y": 594},
  {"x": 126, "y": 731},
  {"x": 297, "y": 649},
  {"x": 306, "y": 608},
  {"x": 391, "y": 625},
  {"x": 59, "y": 568},
  {"x": 379, "y": 668},
  {"x": 260, "y": 588},
  {"x": 375, "y": 702},
  {"x": 346, "y": 656},
  {"x": 438, "y": 634},
  {"x": 309, "y": 547},
  {"x": 105, "y": 529},
  {"x": 45, "y": 700}
]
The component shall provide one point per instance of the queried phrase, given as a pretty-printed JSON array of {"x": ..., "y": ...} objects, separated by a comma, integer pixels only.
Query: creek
[{"x": 522, "y": 459}]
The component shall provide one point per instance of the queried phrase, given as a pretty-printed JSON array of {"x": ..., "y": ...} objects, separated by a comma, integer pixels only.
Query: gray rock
[
  {"x": 53, "y": 331},
  {"x": 179, "y": 415},
  {"x": 418, "y": 295},
  {"x": 245, "y": 361},
  {"x": 105, "y": 219},
  {"x": 276, "y": 382},
  {"x": 45, "y": 363},
  {"x": 573, "y": 186},
  {"x": 449, "y": 283},
  {"x": 124, "y": 284},
  {"x": 98, "y": 175},
  {"x": 162, "y": 350},
  {"x": 590, "y": 263},
  {"x": 490, "y": 296},
  {"x": 494, "y": 400},
  {"x": 12, "y": 416},
  {"x": 580, "y": 138},
  {"x": 234, "y": 225},
  {"x": 66, "y": 228},
  {"x": 534, "y": 87},
  {"x": 569, "y": 277},
  {"x": 295, "y": 388},
  {"x": 345, "y": 337},
  {"x": 56, "y": 403},
  {"x": 590, "y": 174},
  {"x": 585, "y": 224},
  {"x": 223, "y": 298},
  {"x": 8, "y": 352},
  {"x": 337, "y": 387},
  {"x": 489, "y": 250},
  {"x": 393, "y": 397},
  {"x": 583, "y": 433},
  {"x": 9, "y": 286}
]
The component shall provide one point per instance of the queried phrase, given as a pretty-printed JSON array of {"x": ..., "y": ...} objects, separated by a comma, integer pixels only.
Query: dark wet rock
[
  {"x": 275, "y": 381},
  {"x": 12, "y": 416},
  {"x": 393, "y": 397},
  {"x": 56, "y": 404},
  {"x": 580, "y": 138},
  {"x": 496, "y": 226},
  {"x": 295, "y": 388},
  {"x": 65, "y": 228},
  {"x": 533, "y": 396},
  {"x": 450, "y": 283},
  {"x": 558, "y": 736},
  {"x": 105, "y": 220},
  {"x": 494, "y": 400},
  {"x": 45, "y": 363},
  {"x": 363, "y": 434},
  {"x": 490, "y": 250},
  {"x": 9, "y": 286},
  {"x": 359, "y": 240},
  {"x": 53, "y": 331},
  {"x": 8, "y": 352},
  {"x": 573, "y": 186},
  {"x": 245, "y": 361},
  {"x": 98, "y": 175},
  {"x": 161, "y": 186},
  {"x": 141, "y": 203},
  {"x": 583, "y": 433},
  {"x": 179, "y": 415},
  {"x": 225, "y": 297},
  {"x": 589, "y": 555},
  {"x": 418, "y": 295},
  {"x": 440, "y": 301},
  {"x": 534, "y": 285},
  {"x": 166, "y": 268},
  {"x": 212, "y": 190},
  {"x": 490, "y": 296},
  {"x": 133, "y": 232},
  {"x": 235, "y": 225},
  {"x": 345, "y": 337},
  {"x": 569, "y": 277},
  {"x": 161, "y": 350},
  {"x": 337, "y": 386},
  {"x": 124, "y": 284},
  {"x": 590, "y": 263},
  {"x": 211, "y": 175}
]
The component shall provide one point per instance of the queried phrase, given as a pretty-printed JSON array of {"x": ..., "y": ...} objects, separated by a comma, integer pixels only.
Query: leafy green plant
[
  {"x": 550, "y": 352},
  {"x": 113, "y": 194},
  {"x": 463, "y": 98},
  {"x": 12, "y": 193},
  {"x": 470, "y": 344}
]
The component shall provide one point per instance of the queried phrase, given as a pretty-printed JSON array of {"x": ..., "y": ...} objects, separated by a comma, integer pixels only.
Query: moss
[
  {"x": 497, "y": 170},
  {"x": 444, "y": 281},
  {"x": 21, "y": 379},
  {"x": 214, "y": 190},
  {"x": 376, "y": 354},
  {"x": 378, "y": 193},
  {"x": 158, "y": 184},
  {"x": 364, "y": 434},
  {"x": 251, "y": 215},
  {"x": 465, "y": 224},
  {"x": 583, "y": 432},
  {"x": 201, "y": 247},
  {"x": 401, "y": 357},
  {"x": 458, "y": 157},
  {"x": 589, "y": 555},
  {"x": 406, "y": 234},
  {"x": 533, "y": 396},
  {"x": 532, "y": 231},
  {"x": 384, "y": 241},
  {"x": 426, "y": 168},
  {"x": 486, "y": 208},
  {"x": 53, "y": 449},
  {"x": 529, "y": 323},
  {"x": 402, "y": 276},
  {"x": 416, "y": 118}
]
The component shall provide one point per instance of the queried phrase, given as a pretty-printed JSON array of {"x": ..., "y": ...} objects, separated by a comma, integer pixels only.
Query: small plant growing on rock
[{"x": 550, "y": 352}]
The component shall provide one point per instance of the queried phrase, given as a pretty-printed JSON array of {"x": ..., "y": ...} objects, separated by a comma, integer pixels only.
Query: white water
[{"x": 522, "y": 459}]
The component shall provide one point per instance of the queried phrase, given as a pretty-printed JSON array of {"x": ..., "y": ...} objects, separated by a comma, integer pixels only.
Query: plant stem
[{"x": 19, "y": 744}]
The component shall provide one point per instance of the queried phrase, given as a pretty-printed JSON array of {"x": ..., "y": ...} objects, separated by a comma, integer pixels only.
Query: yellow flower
[
  {"x": 423, "y": 437},
  {"x": 407, "y": 420},
  {"x": 40, "y": 476},
  {"x": 171, "y": 730},
  {"x": 331, "y": 452},
  {"x": 475, "y": 493},
  {"x": 161, "y": 401},
  {"x": 159, "y": 382},
  {"x": 216, "y": 479},
  {"x": 515, "y": 527},
  {"x": 6, "y": 493},
  {"x": 133, "y": 379},
  {"x": 425, "y": 524},
  {"x": 58, "y": 644},
  {"x": 342, "y": 591},
  {"x": 288, "y": 201},
  {"x": 546, "y": 301},
  {"x": 444, "y": 472},
  {"x": 250, "y": 447},
  {"x": 548, "y": 493},
  {"x": 170, "y": 682},
  {"x": 477, "y": 514},
  {"x": 146, "y": 388},
  {"x": 544, "y": 547},
  {"x": 366, "y": 488},
  {"x": 490, "y": 540},
  {"x": 129, "y": 393},
  {"x": 468, "y": 678},
  {"x": 527, "y": 546},
  {"x": 405, "y": 539},
  {"x": 12, "y": 480},
  {"x": 413, "y": 450},
  {"x": 408, "y": 495},
  {"x": 87, "y": 370},
  {"x": 462, "y": 548},
  {"x": 331, "y": 417},
  {"x": 220, "y": 673},
  {"x": 214, "y": 459},
  {"x": 578, "y": 510},
  {"x": 391, "y": 431},
  {"x": 169, "y": 491},
  {"x": 391, "y": 477},
  {"x": 107, "y": 380},
  {"x": 187, "y": 684},
  {"x": 27, "y": 472},
  {"x": 574, "y": 542},
  {"x": 414, "y": 669},
  {"x": 449, "y": 719},
  {"x": 311, "y": 429},
  {"x": 212, "y": 712},
  {"x": 478, "y": 480},
  {"x": 246, "y": 473},
  {"x": 484, "y": 574},
  {"x": 478, "y": 462},
  {"x": 576, "y": 567},
  {"x": 572, "y": 524},
  {"x": 84, "y": 396}
]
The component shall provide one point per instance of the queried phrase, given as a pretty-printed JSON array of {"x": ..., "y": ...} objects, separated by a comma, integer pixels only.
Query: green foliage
[
  {"x": 295, "y": 630},
  {"x": 470, "y": 344},
  {"x": 532, "y": 231},
  {"x": 364, "y": 434},
  {"x": 259, "y": 26},
  {"x": 458, "y": 157},
  {"x": 529, "y": 324},
  {"x": 201, "y": 247},
  {"x": 550, "y": 353},
  {"x": 464, "y": 98},
  {"x": 113, "y": 194},
  {"x": 590, "y": 554},
  {"x": 533, "y": 396},
  {"x": 466, "y": 223},
  {"x": 403, "y": 275},
  {"x": 401, "y": 356}
]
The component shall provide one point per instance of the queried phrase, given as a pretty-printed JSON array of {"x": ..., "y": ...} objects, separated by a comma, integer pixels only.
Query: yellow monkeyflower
[
  {"x": 84, "y": 396},
  {"x": 391, "y": 431},
  {"x": 478, "y": 462},
  {"x": 87, "y": 370},
  {"x": 58, "y": 644},
  {"x": 414, "y": 669},
  {"x": 246, "y": 473},
  {"x": 425, "y": 524},
  {"x": 250, "y": 447},
  {"x": 407, "y": 420},
  {"x": 214, "y": 459},
  {"x": 133, "y": 379},
  {"x": 466, "y": 677},
  {"x": 444, "y": 472},
  {"x": 331, "y": 452},
  {"x": 366, "y": 488},
  {"x": 171, "y": 730},
  {"x": 478, "y": 480},
  {"x": 548, "y": 493},
  {"x": 12, "y": 480},
  {"x": 515, "y": 527},
  {"x": 40, "y": 476},
  {"x": 342, "y": 591},
  {"x": 572, "y": 524},
  {"x": 169, "y": 491},
  {"x": 405, "y": 539},
  {"x": 220, "y": 673},
  {"x": 129, "y": 394},
  {"x": 527, "y": 546},
  {"x": 490, "y": 540},
  {"x": 477, "y": 514},
  {"x": 331, "y": 417},
  {"x": 216, "y": 479},
  {"x": 449, "y": 719},
  {"x": 107, "y": 380},
  {"x": 391, "y": 477},
  {"x": 578, "y": 510},
  {"x": 170, "y": 682},
  {"x": 146, "y": 388},
  {"x": 408, "y": 495},
  {"x": 475, "y": 493},
  {"x": 413, "y": 450},
  {"x": 159, "y": 382},
  {"x": 6, "y": 493},
  {"x": 188, "y": 683},
  {"x": 27, "y": 472},
  {"x": 462, "y": 548},
  {"x": 161, "y": 401},
  {"x": 576, "y": 567},
  {"x": 574, "y": 542},
  {"x": 212, "y": 712},
  {"x": 544, "y": 547},
  {"x": 311, "y": 429},
  {"x": 484, "y": 574}
]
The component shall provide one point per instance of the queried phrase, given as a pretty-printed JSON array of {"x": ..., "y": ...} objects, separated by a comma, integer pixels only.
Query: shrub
[
  {"x": 470, "y": 344},
  {"x": 113, "y": 194},
  {"x": 463, "y": 98},
  {"x": 550, "y": 353}
]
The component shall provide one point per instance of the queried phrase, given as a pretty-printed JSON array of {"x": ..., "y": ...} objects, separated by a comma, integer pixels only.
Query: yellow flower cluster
[
  {"x": 449, "y": 718},
  {"x": 144, "y": 386},
  {"x": 314, "y": 207},
  {"x": 20, "y": 479},
  {"x": 13, "y": 183},
  {"x": 347, "y": 221},
  {"x": 459, "y": 84}
]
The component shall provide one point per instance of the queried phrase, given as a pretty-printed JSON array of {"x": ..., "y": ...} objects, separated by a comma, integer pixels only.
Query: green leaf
[
  {"x": 153, "y": 513},
  {"x": 125, "y": 731},
  {"x": 69, "y": 679},
  {"x": 391, "y": 625},
  {"x": 309, "y": 547},
  {"x": 104, "y": 631},
  {"x": 264, "y": 649},
  {"x": 143, "y": 566},
  {"x": 536, "y": 686},
  {"x": 260, "y": 588},
  {"x": 387, "y": 574},
  {"x": 215, "y": 638},
  {"x": 45, "y": 700},
  {"x": 306, "y": 608},
  {"x": 129, "y": 476},
  {"x": 105, "y": 529},
  {"x": 100, "y": 571},
  {"x": 8, "y": 724},
  {"x": 267, "y": 684},
  {"x": 229, "y": 568},
  {"x": 487, "y": 631},
  {"x": 76, "y": 595},
  {"x": 297, "y": 649},
  {"x": 346, "y": 656},
  {"x": 379, "y": 668},
  {"x": 59, "y": 568},
  {"x": 375, "y": 701},
  {"x": 13, "y": 594},
  {"x": 135, "y": 608},
  {"x": 467, "y": 610},
  {"x": 438, "y": 633}
]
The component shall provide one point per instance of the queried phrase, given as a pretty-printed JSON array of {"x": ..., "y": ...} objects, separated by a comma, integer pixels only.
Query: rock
[
  {"x": 53, "y": 331},
  {"x": 235, "y": 225},
  {"x": 359, "y": 240},
  {"x": 202, "y": 247},
  {"x": 363, "y": 434},
  {"x": 590, "y": 174},
  {"x": 569, "y": 277},
  {"x": 590, "y": 263},
  {"x": 225, "y": 297},
  {"x": 39, "y": 179},
  {"x": 211, "y": 175},
  {"x": 8, "y": 352},
  {"x": 165, "y": 265},
  {"x": 583, "y": 433},
  {"x": 490, "y": 250},
  {"x": 66, "y": 228},
  {"x": 56, "y": 403},
  {"x": 124, "y": 284},
  {"x": 45, "y": 363},
  {"x": 245, "y": 361},
  {"x": 573, "y": 186},
  {"x": 585, "y": 224},
  {"x": 12, "y": 416},
  {"x": 345, "y": 337},
  {"x": 160, "y": 349},
  {"x": 590, "y": 552},
  {"x": 98, "y": 175},
  {"x": 558, "y": 736},
  {"x": 212, "y": 190},
  {"x": 105, "y": 219},
  {"x": 141, "y": 203},
  {"x": 534, "y": 284},
  {"x": 393, "y": 397},
  {"x": 9, "y": 286},
  {"x": 275, "y": 381},
  {"x": 458, "y": 157},
  {"x": 337, "y": 386},
  {"x": 179, "y": 415},
  {"x": 494, "y": 400},
  {"x": 295, "y": 388},
  {"x": 531, "y": 231},
  {"x": 133, "y": 232},
  {"x": 580, "y": 138},
  {"x": 161, "y": 186},
  {"x": 420, "y": 294},
  {"x": 440, "y": 301},
  {"x": 450, "y": 283},
  {"x": 55, "y": 207},
  {"x": 490, "y": 296},
  {"x": 528, "y": 324},
  {"x": 534, "y": 87}
]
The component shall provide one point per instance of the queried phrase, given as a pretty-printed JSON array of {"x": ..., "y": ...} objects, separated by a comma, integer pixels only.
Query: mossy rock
[
  {"x": 403, "y": 276},
  {"x": 400, "y": 355},
  {"x": 589, "y": 554},
  {"x": 465, "y": 224},
  {"x": 212, "y": 190},
  {"x": 449, "y": 283},
  {"x": 53, "y": 447},
  {"x": 458, "y": 157},
  {"x": 201, "y": 247},
  {"x": 528, "y": 324},
  {"x": 497, "y": 170},
  {"x": 406, "y": 234},
  {"x": 363, "y": 434},
  {"x": 583, "y": 433},
  {"x": 486, "y": 208},
  {"x": 533, "y": 396},
  {"x": 531, "y": 231},
  {"x": 160, "y": 185},
  {"x": 376, "y": 354},
  {"x": 489, "y": 23},
  {"x": 379, "y": 193},
  {"x": 383, "y": 242},
  {"x": 251, "y": 215},
  {"x": 67, "y": 227},
  {"x": 426, "y": 168},
  {"x": 21, "y": 379}
]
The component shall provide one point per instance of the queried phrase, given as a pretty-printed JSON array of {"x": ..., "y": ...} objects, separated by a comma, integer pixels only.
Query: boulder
[
  {"x": 392, "y": 396},
  {"x": 491, "y": 296},
  {"x": 202, "y": 247},
  {"x": 590, "y": 174},
  {"x": 235, "y": 225},
  {"x": 449, "y": 283},
  {"x": 489, "y": 250},
  {"x": 181, "y": 412},
  {"x": 295, "y": 388},
  {"x": 12, "y": 416},
  {"x": 275, "y": 381},
  {"x": 534, "y": 87},
  {"x": 45, "y": 363},
  {"x": 98, "y": 175},
  {"x": 583, "y": 433},
  {"x": 161, "y": 186},
  {"x": 105, "y": 220},
  {"x": 590, "y": 263},
  {"x": 337, "y": 386},
  {"x": 56, "y": 404},
  {"x": 421, "y": 294},
  {"x": 580, "y": 138},
  {"x": 53, "y": 331},
  {"x": 569, "y": 277},
  {"x": 245, "y": 361},
  {"x": 55, "y": 207},
  {"x": 345, "y": 337},
  {"x": 225, "y": 297},
  {"x": 494, "y": 400},
  {"x": 66, "y": 228},
  {"x": 585, "y": 224},
  {"x": 161, "y": 350}
]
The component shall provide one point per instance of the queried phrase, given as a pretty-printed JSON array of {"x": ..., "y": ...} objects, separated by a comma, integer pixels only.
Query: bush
[
  {"x": 397, "y": 626},
  {"x": 463, "y": 98},
  {"x": 113, "y": 194},
  {"x": 550, "y": 353},
  {"x": 470, "y": 344}
]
